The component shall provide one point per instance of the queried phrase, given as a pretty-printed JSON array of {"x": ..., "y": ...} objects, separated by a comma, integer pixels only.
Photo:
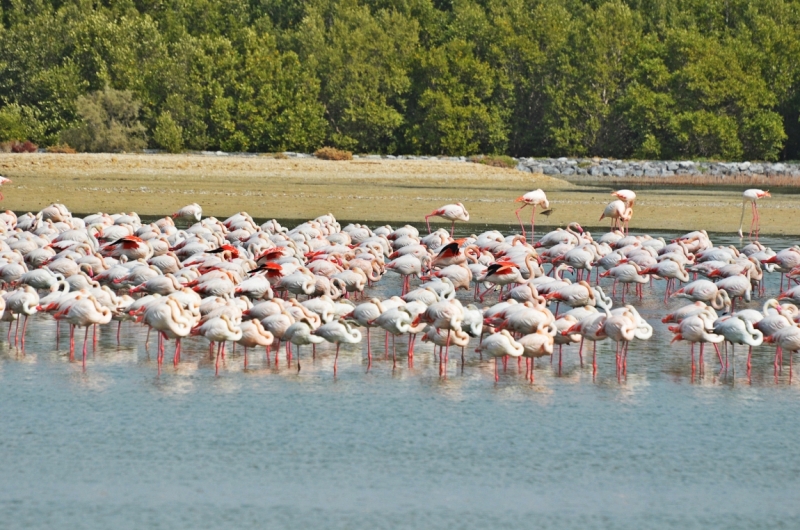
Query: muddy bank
[{"x": 367, "y": 189}]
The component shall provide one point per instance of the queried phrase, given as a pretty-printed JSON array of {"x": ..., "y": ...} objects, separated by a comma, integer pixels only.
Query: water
[{"x": 122, "y": 446}]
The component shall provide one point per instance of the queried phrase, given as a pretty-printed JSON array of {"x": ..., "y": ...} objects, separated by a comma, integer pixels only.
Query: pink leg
[
  {"x": 24, "y": 330},
  {"x": 336, "y": 359},
  {"x": 85, "y": 339},
  {"x": 516, "y": 212}
]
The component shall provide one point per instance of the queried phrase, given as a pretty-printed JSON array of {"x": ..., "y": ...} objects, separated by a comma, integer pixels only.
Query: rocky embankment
[{"x": 603, "y": 167}]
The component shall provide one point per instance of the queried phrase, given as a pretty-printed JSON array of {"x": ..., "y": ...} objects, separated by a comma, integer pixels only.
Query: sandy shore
[{"x": 366, "y": 190}]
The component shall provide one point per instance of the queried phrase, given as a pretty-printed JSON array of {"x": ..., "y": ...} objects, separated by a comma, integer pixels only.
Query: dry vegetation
[{"x": 365, "y": 190}]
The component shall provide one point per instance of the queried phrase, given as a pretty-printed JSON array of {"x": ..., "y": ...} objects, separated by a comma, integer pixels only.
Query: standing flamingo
[
  {"x": 501, "y": 344},
  {"x": 83, "y": 310},
  {"x": 451, "y": 212},
  {"x": 629, "y": 198},
  {"x": 338, "y": 332},
  {"x": 751, "y": 196},
  {"x": 533, "y": 199},
  {"x": 698, "y": 328}
]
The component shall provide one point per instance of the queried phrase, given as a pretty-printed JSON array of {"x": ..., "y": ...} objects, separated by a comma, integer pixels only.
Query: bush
[
  {"x": 168, "y": 134},
  {"x": 495, "y": 161},
  {"x": 24, "y": 147},
  {"x": 61, "y": 149},
  {"x": 109, "y": 123},
  {"x": 18, "y": 122},
  {"x": 331, "y": 153}
]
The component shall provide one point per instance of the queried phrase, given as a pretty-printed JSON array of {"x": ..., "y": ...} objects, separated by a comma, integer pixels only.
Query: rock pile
[{"x": 604, "y": 167}]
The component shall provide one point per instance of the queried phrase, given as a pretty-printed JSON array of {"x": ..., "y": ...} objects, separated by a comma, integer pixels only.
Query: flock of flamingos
[{"x": 277, "y": 289}]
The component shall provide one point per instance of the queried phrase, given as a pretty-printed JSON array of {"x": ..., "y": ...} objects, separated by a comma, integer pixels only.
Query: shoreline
[{"x": 371, "y": 190}]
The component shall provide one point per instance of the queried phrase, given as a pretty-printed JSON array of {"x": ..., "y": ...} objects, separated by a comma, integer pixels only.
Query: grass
[
  {"x": 501, "y": 161},
  {"x": 394, "y": 191}
]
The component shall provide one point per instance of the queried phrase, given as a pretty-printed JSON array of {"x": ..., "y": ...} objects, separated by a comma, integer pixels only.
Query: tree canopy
[{"x": 619, "y": 78}]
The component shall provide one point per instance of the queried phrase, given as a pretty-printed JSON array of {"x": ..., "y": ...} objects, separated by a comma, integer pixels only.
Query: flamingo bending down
[
  {"x": 451, "y": 212},
  {"x": 532, "y": 198},
  {"x": 619, "y": 213},
  {"x": 751, "y": 196}
]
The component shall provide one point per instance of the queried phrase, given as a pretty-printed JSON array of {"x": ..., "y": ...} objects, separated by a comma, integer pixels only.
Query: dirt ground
[{"x": 360, "y": 190}]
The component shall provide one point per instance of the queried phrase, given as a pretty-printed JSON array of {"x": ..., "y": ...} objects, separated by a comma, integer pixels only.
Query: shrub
[
  {"x": 24, "y": 147},
  {"x": 109, "y": 123},
  {"x": 331, "y": 153},
  {"x": 62, "y": 149},
  {"x": 168, "y": 134},
  {"x": 18, "y": 122},
  {"x": 495, "y": 161}
]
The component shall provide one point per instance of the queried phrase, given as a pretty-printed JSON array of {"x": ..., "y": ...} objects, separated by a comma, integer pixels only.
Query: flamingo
[
  {"x": 451, "y": 212},
  {"x": 399, "y": 321},
  {"x": 698, "y": 328},
  {"x": 669, "y": 270},
  {"x": 535, "y": 345},
  {"x": 501, "y": 344},
  {"x": 738, "y": 330},
  {"x": 751, "y": 196},
  {"x": 191, "y": 212},
  {"x": 23, "y": 301},
  {"x": 629, "y": 198},
  {"x": 533, "y": 199},
  {"x": 407, "y": 266},
  {"x": 85, "y": 311},
  {"x": 787, "y": 339},
  {"x": 619, "y": 213},
  {"x": 171, "y": 320},
  {"x": 338, "y": 332},
  {"x": 705, "y": 291},
  {"x": 301, "y": 334},
  {"x": 592, "y": 328},
  {"x": 220, "y": 330},
  {"x": 3, "y": 181}
]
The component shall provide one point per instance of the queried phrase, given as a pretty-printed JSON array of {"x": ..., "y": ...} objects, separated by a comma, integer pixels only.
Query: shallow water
[{"x": 122, "y": 446}]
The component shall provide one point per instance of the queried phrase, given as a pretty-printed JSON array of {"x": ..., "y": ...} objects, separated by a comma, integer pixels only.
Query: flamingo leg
[
  {"x": 85, "y": 339},
  {"x": 369, "y": 350},
  {"x": 533, "y": 221},
  {"x": 719, "y": 356},
  {"x": 71, "y": 342},
  {"x": 336, "y": 359},
  {"x": 24, "y": 329},
  {"x": 496, "y": 376},
  {"x": 177, "y": 357},
  {"x": 516, "y": 212}
]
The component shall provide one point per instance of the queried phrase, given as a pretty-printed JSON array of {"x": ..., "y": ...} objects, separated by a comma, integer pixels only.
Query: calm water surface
[{"x": 122, "y": 446}]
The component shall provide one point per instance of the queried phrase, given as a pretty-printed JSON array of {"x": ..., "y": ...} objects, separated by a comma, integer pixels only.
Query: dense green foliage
[{"x": 632, "y": 78}]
